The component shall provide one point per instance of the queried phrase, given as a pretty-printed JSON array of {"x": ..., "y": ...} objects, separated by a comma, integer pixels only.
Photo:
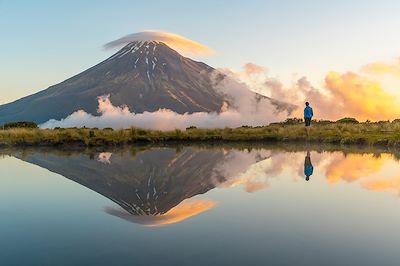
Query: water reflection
[
  {"x": 308, "y": 167},
  {"x": 157, "y": 186},
  {"x": 375, "y": 172},
  {"x": 150, "y": 185}
]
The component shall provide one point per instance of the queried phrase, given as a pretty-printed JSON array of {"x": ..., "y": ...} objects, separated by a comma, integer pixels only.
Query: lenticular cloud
[{"x": 175, "y": 41}]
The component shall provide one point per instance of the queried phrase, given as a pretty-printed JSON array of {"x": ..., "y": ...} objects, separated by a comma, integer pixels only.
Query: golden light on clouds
[
  {"x": 352, "y": 167},
  {"x": 375, "y": 173},
  {"x": 175, "y": 41},
  {"x": 382, "y": 68},
  {"x": 361, "y": 97},
  {"x": 383, "y": 184},
  {"x": 342, "y": 95},
  {"x": 184, "y": 210},
  {"x": 251, "y": 68}
]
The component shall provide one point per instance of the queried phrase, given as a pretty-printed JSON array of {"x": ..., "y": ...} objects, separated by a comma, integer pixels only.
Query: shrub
[
  {"x": 178, "y": 132},
  {"x": 323, "y": 122},
  {"x": 20, "y": 124},
  {"x": 293, "y": 121},
  {"x": 348, "y": 120}
]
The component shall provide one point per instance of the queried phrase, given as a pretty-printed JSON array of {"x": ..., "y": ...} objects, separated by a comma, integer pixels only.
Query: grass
[{"x": 372, "y": 134}]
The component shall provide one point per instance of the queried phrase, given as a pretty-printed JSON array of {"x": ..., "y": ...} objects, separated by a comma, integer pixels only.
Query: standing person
[{"x": 308, "y": 114}]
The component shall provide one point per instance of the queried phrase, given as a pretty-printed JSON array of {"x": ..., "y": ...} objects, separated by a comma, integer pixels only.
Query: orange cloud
[
  {"x": 361, "y": 97},
  {"x": 183, "y": 211},
  {"x": 175, "y": 41},
  {"x": 353, "y": 167},
  {"x": 383, "y": 184},
  {"x": 251, "y": 68},
  {"x": 381, "y": 68},
  {"x": 344, "y": 94}
]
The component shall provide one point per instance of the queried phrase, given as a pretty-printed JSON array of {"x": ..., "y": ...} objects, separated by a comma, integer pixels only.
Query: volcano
[{"x": 143, "y": 75}]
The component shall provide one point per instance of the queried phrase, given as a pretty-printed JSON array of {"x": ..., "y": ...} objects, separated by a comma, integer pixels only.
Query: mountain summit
[{"x": 143, "y": 75}]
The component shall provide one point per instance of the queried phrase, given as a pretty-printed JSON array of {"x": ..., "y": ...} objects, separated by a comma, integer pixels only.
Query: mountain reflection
[
  {"x": 150, "y": 182},
  {"x": 157, "y": 186}
]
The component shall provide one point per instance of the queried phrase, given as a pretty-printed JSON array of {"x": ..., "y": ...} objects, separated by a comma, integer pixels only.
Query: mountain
[{"x": 143, "y": 75}]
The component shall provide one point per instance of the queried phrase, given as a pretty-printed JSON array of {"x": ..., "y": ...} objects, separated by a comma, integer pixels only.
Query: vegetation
[
  {"x": 348, "y": 120},
  {"x": 374, "y": 134},
  {"x": 23, "y": 124}
]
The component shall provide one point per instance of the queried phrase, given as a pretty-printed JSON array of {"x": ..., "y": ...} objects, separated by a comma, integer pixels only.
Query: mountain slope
[{"x": 145, "y": 76}]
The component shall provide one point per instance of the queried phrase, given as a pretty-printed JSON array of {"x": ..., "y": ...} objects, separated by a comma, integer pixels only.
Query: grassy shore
[{"x": 372, "y": 134}]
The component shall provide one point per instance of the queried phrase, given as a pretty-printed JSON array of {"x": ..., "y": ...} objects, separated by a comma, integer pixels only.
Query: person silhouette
[
  {"x": 308, "y": 167},
  {"x": 308, "y": 114}
]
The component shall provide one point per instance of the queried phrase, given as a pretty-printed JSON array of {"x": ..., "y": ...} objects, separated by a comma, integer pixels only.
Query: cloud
[
  {"x": 361, "y": 97},
  {"x": 343, "y": 94},
  {"x": 254, "y": 170},
  {"x": 257, "y": 169},
  {"x": 372, "y": 172},
  {"x": 352, "y": 167},
  {"x": 245, "y": 109},
  {"x": 175, "y": 41},
  {"x": 251, "y": 74},
  {"x": 382, "y": 68},
  {"x": 391, "y": 184},
  {"x": 104, "y": 157},
  {"x": 251, "y": 69},
  {"x": 184, "y": 210},
  {"x": 243, "y": 168}
]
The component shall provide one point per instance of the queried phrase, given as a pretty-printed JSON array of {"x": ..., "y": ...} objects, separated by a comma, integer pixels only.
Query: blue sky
[{"x": 45, "y": 42}]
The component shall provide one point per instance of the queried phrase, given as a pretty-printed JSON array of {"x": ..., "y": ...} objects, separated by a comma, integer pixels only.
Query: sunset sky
[{"x": 46, "y": 42}]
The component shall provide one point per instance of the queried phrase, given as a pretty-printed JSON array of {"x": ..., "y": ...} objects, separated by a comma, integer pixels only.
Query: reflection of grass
[{"x": 384, "y": 134}]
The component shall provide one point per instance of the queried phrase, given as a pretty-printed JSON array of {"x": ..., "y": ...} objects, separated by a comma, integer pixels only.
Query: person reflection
[{"x": 308, "y": 167}]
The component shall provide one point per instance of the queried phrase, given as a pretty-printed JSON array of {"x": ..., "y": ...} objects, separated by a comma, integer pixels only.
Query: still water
[{"x": 208, "y": 205}]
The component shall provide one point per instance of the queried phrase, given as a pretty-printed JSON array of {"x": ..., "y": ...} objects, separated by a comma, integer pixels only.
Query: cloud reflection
[
  {"x": 257, "y": 170},
  {"x": 179, "y": 213},
  {"x": 104, "y": 157}
]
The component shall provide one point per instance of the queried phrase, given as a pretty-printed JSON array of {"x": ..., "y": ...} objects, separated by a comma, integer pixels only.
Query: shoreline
[
  {"x": 245, "y": 147},
  {"x": 375, "y": 134}
]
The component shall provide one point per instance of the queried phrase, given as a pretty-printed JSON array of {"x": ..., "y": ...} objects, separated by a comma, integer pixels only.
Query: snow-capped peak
[{"x": 141, "y": 47}]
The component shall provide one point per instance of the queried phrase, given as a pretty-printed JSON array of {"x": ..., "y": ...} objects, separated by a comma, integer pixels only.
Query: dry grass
[{"x": 383, "y": 133}]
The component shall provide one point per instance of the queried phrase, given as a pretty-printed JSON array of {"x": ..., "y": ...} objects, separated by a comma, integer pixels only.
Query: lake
[{"x": 200, "y": 205}]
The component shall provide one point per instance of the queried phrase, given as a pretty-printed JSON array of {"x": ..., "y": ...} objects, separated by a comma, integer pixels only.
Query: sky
[{"x": 46, "y": 42}]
